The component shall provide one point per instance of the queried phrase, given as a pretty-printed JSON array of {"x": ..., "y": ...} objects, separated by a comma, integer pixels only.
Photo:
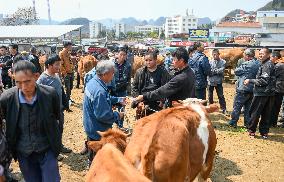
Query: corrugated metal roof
[{"x": 36, "y": 31}]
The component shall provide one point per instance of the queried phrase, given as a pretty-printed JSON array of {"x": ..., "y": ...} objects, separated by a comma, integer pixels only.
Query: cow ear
[
  {"x": 101, "y": 133},
  {"x": 94, "y": 145}
]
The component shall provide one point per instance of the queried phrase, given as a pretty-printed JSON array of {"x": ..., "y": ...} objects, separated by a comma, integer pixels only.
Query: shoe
[
  {"x": 69, "y": 110},
  {"x": 281, "y": 120},
  {"x": 72, "y": 101},
  {"x": 231, "y": 124},
  {"x": 60, "y": 157},
  {"x": 125, "y": 130},
  {"x": 264, "y": 136},
  {"x": 224, "y": 111},
  {"x": 252, "y": 134},
  {"x": 65, "y": 150},
  {"x": 84, "y": 151}
]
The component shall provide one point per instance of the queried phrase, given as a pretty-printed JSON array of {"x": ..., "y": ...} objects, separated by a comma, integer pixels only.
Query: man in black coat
[
  {"x": 180, "y": 87},
  {"x": 32, "y": 115},
  {"x": 263, "y": 95}
]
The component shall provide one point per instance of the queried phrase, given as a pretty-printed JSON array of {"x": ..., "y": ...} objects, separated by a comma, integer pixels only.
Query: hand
[
  {"x": 139, "y": 98},
  {"x": 246, "y": 82},
  {"x": 121, "y": 115},
  {"x": 122, "y": 101}
]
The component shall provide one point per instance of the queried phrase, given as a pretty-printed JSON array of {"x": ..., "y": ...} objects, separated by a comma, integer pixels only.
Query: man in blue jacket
[
  {"x": 199, "y": 63},
  {"x": 97, "y": 107},
  {"x": 244, "y": 93},
  {"x": 263, "y": 95}
]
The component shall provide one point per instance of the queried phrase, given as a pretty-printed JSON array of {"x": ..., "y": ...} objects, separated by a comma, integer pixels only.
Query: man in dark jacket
[
  {"x": 180, "y": 87},
  {"x": 279, "y": 90},
  {"x": 244, "y": 93},
  {"x": 32, "y": 113},
  {"x": 149, "y": 78},
  {"x": 35, "y": 60},
  {"x": 122, "y": 74},
  {"x": 264, "y": 88},
  {"x": 199, "y": 63},
  {"x": 5, "y": 65}
]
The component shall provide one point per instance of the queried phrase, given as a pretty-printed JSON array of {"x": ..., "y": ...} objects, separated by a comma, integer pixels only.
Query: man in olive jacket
[{"x": 32, "y": 115}]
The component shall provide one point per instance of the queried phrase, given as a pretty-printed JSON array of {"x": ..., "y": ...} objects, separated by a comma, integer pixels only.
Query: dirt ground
[{"x": 238, "y": 157}]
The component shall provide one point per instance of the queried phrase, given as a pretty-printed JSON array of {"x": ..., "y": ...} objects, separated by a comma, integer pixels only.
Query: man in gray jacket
[{"x": 215, "y": 79}]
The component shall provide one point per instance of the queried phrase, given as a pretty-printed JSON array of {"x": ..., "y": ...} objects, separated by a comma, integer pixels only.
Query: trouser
[
  {"x": 61, "y": 123},
  {"x": 220, "y": 94},
  {"x": 91, "y": 154},
  {"x": 68, "y": 81},
  {"x": 7, "y": 82},
  {"x": 242, "y": 99},
  {"x": 276, "y": 108},
  {"x": 200, "y": 93},
  {"x": 39, "y": 167},
  {"x": 120, "y": 107},
  {"x": 282, "y": 116},
  {"x": 260, "y": 107},
  {"x": 77, "y": 80}
]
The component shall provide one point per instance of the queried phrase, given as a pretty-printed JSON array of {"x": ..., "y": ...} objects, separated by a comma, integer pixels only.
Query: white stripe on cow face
[{"x": 202, "y": 129}]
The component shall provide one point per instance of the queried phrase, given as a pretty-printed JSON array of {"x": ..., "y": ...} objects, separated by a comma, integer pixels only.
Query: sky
[{"x": 140, "y": 9}]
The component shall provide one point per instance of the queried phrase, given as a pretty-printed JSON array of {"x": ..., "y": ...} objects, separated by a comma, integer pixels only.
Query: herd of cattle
[{"x": 176, "y": 144}]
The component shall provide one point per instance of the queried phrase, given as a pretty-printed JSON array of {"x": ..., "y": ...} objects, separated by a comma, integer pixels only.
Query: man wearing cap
[{"x": 244, "y": 93}]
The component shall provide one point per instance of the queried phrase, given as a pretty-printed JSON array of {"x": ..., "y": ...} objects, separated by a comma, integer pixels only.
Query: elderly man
[
  {"x": 244, "y": 93},
  {"x": 32, "y": 114},
  {"x": 180, "y": 87},
  {"x": 263, "y": 95},
  {"x": 97, "y": 107}
]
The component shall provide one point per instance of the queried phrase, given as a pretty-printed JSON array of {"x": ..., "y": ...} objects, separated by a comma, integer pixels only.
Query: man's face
[
  {"x": 12, "y": 51},
  {"x": 177, "y": 63},
  {"x": 150, "y": 62},
  {"x": 108, "y": 76},
  {"x": 246, "y": 57},
  {"x": 55, "y": 68},
  {"x": 26, "y": 81},
  {"x": 216, "y": 55},
  {"x": 2, "y": 51},
  {"x": 273, "y": 58},
  {"x": 121, "y": 56},
  {"x": 201, "y": 48},
  {"x": 263, "y": 55}
]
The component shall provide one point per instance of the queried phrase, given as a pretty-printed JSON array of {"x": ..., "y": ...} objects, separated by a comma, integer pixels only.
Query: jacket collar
[{"x": 102, "y": 83}]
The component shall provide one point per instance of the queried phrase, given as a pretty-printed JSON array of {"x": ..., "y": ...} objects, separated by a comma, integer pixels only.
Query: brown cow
[
  {"x": 231, "y": 56},
  {"x": 86, "y": 64},
  {"x": 110, "y": 165},
  {"x": 175, "y": 144}
]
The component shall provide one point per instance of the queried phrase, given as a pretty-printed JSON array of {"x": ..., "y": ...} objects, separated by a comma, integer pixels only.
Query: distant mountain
[
  {"x": 130, "y": 21},
  {"x": 78, "y": 21},
  {"x": 273, "y": 5},
  {"x": 203, "y": 21},
  {"x": 46, "y": 22},
  {"x": 160, "y": 21}
]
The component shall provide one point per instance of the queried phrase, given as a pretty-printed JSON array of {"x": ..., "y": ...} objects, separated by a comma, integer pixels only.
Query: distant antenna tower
[
  {"x": 192, "y": 11},
  {"x": 34, "y": 9},
  {"x": 187, "y": 12},
  {"x": 48, "y": 11}
]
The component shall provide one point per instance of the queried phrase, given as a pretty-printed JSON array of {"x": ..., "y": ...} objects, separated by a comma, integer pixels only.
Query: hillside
[{"x": 273, "y": 5}]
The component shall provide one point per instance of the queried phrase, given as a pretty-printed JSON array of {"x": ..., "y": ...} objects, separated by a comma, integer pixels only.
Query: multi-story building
[
  {"x": 148, "y": 28},
  {"x": 95, "y": 29},
  {"x": 271, "y": 21},
  {"x": 120, "y": 28},
  {"x": 180, "y": 24}
]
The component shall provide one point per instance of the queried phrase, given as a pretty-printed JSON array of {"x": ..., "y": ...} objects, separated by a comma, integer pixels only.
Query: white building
[
  {"x": 180, "y": 24},
  {"x": 122, "y": 28},
  {"x": 95, "y": 29},
  {"x": 148, "y": 28}
]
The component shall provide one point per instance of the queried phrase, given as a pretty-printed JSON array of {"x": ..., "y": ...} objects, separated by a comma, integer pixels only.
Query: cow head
[{"x": 113, "y": 136}]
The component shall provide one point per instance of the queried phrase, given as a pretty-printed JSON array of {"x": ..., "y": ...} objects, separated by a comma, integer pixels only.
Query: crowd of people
[{"x": 34, "y": 99}]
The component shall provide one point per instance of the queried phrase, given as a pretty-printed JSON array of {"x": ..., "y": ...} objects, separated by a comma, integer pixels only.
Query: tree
[
  {"x": 23, "y": 16},
  {"x": 162, "y": 35},
  {"x": 102, "y": 34},
  {"x": 153, "y": 35}
]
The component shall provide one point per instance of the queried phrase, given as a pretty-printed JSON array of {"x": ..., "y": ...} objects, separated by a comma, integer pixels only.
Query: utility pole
[{"x": 48, "y": 11}]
